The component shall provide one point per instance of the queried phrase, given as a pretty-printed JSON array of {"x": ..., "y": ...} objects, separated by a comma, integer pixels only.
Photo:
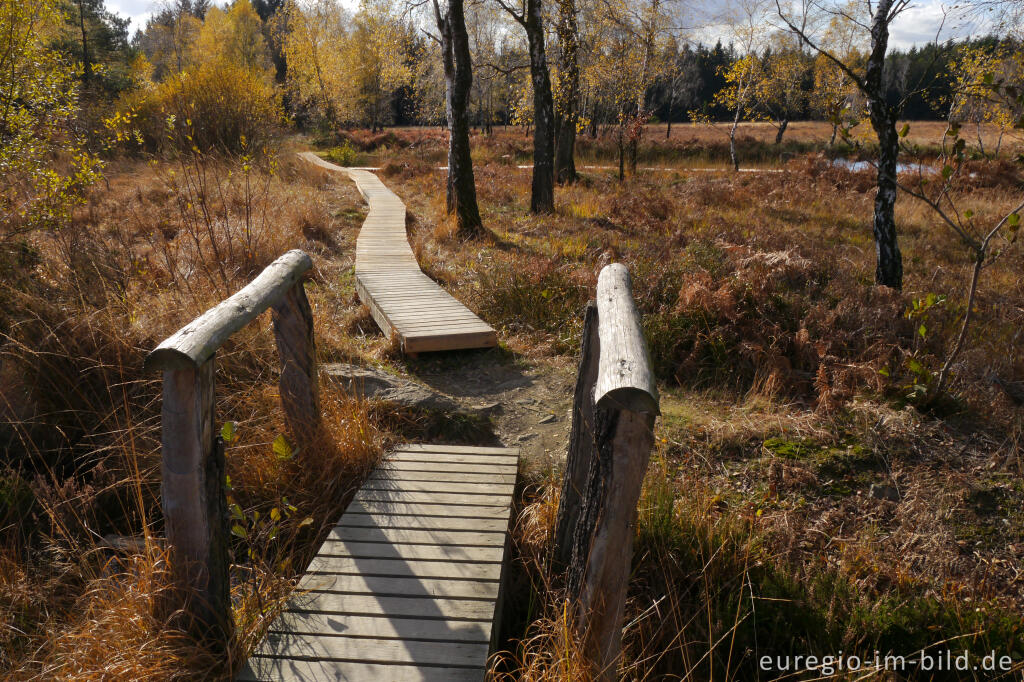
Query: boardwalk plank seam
[{"x": 401, "y": 590}]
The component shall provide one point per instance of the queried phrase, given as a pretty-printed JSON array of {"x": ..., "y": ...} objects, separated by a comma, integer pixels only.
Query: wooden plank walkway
[
  {"x": 408, "y": 584},
  {"x": 403, "y": 301}
]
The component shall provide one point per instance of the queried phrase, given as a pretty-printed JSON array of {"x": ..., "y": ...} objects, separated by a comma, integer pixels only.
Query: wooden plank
[
  {"x": 405, "y": 607},
  {"x": 442, "y": 510},
  {"x": 441, "y": 458},
  {"x": 433, "y": 498},
  {"x": 291, "y": 670},
  {"x": 456, "y": 449},
  {"x": 379, "y": 627},
  {"x": 383, "y": 550},
  {"x": 403, "y": 301},
  {"x": 390, "y": 474},
  {"x": 353, "y": 520},
  {"x": 400, "y": 587},
  {"x": 418, "y": 466},
  {"x": 404, "y": 485},
  {"x": 409, "y": 568},
  {"x": 406, "y": 536},
  {"x": 369, "y": 650}
]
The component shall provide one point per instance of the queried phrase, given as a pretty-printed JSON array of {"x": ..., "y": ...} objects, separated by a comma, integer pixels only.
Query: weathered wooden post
[
  {"x": 195, "y": 511},
  {"x": 194, "y": 503},
  {"x": 581, "y": 440},
  {"x": 607, "y": 461},
  {"x": 299, "y": 382}
]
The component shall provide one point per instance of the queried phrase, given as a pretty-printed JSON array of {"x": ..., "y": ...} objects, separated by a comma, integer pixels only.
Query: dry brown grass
[
  {"x": 156, "y": 245},
  {"x": 764, "y": 323}
]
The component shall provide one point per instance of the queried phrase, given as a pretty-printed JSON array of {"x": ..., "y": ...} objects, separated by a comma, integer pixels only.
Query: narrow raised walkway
[
  {"x": 407, "y": 585},
  {"x": 404, "y": 302}
]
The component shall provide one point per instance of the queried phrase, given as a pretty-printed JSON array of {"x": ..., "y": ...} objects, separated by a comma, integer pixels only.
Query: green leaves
[{"x": 905, "y": 130}]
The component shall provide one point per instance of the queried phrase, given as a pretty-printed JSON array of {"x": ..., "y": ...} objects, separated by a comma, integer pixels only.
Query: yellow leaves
[
  {"x": 741, "y": 78},
  {"x": 39, "y": 92},
  {"x": 234, "y": 35},
  {"x": 346, "y": 68},
  {"x": 973, "y": 72}
]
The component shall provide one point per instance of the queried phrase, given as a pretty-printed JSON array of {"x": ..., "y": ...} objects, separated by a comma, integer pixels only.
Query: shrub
[
  {"x": 343, "y": 155},
  {"x": 218, "y": 106}
]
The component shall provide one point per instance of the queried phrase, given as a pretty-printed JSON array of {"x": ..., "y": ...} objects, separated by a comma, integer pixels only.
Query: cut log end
[{"x": 631, "y": 399}]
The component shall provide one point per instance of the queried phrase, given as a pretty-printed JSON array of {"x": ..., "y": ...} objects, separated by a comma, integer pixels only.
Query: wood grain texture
[
  {"x": 581, "y": 440},
  {"x": 295, "y": 670},
  {"x": 196, "y": 342},
  {"x": 614, "y": 407},
  {"x": 625, "y": 379},
  {"x": 404, "y": 302},
  {"x": 299, "y": 383},
  {"x": 408, "y": 583},
  {"x": 194, "y": 506}
]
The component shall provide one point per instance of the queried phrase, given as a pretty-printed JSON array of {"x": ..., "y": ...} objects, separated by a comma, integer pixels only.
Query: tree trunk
[
  {"x": 568, "y": 118},
  {"x": 622, "y": 155},
  {"x": 889, "y": 262},
  {"x": 542, "y": 194},
  {"x": 671, "y": 104},
  {"x": 783, "y": 124},
  {"x": 458, "y": 80},
  {"x": 832, "y": 140},
  {"x": 732, "y": 140}
]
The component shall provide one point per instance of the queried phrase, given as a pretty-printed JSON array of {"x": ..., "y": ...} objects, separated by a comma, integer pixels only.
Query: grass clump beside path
[{"x": 800, "y": 500}]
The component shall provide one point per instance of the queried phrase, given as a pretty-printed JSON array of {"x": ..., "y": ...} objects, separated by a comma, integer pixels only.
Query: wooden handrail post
[
  {"x": 610, "y": 446},
  {"x": 195, "y": 510},
  {"x": 299, "y": 382},
  {"x": 194, "y": 500},
  {"x": 581, "y": 440}
]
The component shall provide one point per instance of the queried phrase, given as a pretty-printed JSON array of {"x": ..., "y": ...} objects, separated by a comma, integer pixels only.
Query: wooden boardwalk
[
  {"x": 407, "y": 586},
  {"x": 404, "y": 302}
]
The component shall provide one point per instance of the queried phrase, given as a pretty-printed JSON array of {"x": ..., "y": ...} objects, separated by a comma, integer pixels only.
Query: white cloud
[
  {"x": 136, "y": 10},
  {"x": 921, "y": 22}
]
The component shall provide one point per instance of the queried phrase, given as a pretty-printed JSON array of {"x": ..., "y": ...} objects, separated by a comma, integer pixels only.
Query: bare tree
[
  {"x": 530, "y": 15},
  {"x": 458, "y": 80},
  {"x": 883, "y": 116},
  {"x": 683, "y": 82}
]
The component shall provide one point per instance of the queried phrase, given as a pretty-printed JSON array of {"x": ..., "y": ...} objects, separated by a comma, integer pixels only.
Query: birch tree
[
  {"x": 882, "y": 114},
  {"x": 314, "y": 47},
  {"x": 746, "y": 20}
]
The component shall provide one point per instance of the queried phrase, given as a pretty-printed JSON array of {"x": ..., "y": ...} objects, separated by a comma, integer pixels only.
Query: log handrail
[
  {"x": 192, "y": 458},
  {"x": 614, "y": 408},
  {"x": 624, "y": 376},
  {"x": 197, "y": 341}
]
